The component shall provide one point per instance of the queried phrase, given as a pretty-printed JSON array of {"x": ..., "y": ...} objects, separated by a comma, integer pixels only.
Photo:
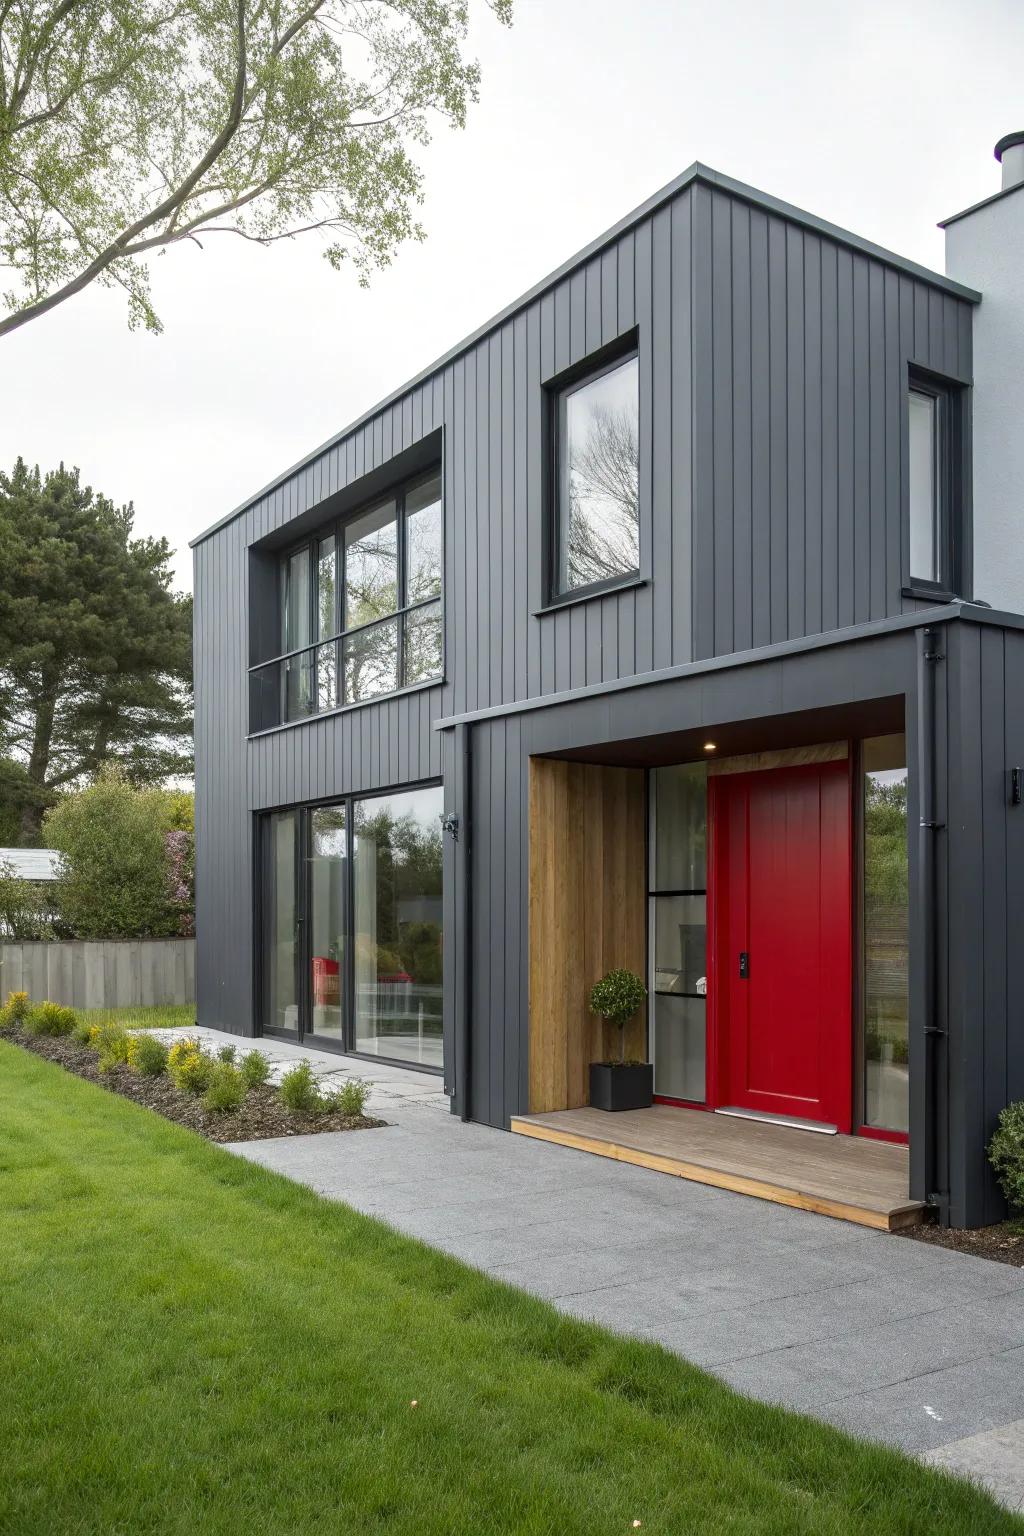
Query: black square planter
[{"x": 621, "y": 1087}]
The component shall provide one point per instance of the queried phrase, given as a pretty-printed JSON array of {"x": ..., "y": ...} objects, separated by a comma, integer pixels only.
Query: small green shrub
[
  {"x": 82, "y": 1031},
  {"x": 226, "y": 1089},
  {"x": 149, "y": 1056},
  {"x": 50, "y": 1019},
  {"x": 350, "y": 1098},
  {"x": 226, "y": 1054},
  {"x": 300, "y": 1091},
  {"x": 15, "y": 1011},
  {"x": 616, "y": 997},
  {"x": 115, "y": 1046},
  {"x": 255, "y": 1069},
  {"x": 1006, "y": 1154},
  {"x": 192, "y": 1071}
]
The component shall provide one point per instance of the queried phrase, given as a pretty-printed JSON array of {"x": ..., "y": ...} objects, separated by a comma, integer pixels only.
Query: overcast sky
[{"x": 878, "y": 115}]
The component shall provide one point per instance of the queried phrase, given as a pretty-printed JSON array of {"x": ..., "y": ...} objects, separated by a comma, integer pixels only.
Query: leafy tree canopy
[
  {"x": 95, "y": 647},
  {"x": 130, "y": 126},
  {"x": 116, "y": 879}
]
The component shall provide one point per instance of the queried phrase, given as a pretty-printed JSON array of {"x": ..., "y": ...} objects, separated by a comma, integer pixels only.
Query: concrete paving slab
[
  {"x": 898, "y": 1341},
  {"x": 995, "y": 1459}
]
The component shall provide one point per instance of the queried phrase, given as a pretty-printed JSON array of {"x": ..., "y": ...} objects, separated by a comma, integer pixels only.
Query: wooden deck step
[{"x": 848, "y": 1177}]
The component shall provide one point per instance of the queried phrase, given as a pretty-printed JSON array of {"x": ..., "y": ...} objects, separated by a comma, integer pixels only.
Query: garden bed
[
  {"x": 1003, "y": 1243},
  {"x": 260, "y": 1117}
]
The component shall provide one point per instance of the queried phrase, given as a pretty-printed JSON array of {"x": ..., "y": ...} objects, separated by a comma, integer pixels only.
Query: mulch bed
[
  {"x": 1002, "y": 1243},
  {"x": 261, "y": 1116}
]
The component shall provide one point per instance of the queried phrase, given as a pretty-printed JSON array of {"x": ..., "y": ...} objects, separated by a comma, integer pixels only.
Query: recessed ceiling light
[{"x": 710, "y": 746}]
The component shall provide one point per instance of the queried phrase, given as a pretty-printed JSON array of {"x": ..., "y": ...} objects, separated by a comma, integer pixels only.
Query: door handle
[{"x": 744, "y": 964}]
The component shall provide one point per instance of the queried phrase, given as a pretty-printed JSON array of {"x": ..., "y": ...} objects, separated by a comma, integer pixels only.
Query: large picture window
[
  {"x": 360, "y": 610},
  {"x": 596, "y": 437}
]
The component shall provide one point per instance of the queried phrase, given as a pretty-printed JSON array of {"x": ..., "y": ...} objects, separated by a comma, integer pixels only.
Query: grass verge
[
  {"x": 191, "y": 1343},
  {"x": 168, "y": 1016}
]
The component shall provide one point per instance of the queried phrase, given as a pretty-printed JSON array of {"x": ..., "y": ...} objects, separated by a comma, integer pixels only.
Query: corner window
[
  {"x": 360, "y": 610},
  {"x": 933, "y": 492},
  {"x": 596, "y": 437}
]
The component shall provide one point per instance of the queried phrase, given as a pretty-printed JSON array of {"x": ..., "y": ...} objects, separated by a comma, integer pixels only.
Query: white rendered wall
[{"x": 986, "y": 250}]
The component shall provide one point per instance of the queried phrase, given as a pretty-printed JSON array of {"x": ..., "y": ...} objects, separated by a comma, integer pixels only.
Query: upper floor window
[
  {"x": 360, "y": 609},
  {"x": 933, "y": 445},
  {"x": 596, "y": 503}
]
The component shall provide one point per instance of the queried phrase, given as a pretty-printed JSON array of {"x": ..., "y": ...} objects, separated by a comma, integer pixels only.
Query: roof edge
[
  {"x": 697, "y": 172},
  {"x": 995, "y": 197}
]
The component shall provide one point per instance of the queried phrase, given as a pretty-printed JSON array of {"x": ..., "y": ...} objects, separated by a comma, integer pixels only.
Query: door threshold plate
[{"x": 793, "y": 1121}]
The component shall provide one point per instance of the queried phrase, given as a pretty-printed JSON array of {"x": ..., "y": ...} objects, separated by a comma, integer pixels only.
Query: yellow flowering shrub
[
  {"x": 15, "y": 1010},
  {"x": 189, "y": 1066}
]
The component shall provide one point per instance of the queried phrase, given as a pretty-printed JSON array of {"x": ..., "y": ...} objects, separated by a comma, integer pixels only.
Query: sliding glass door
[
  {"x": 352, "y": 925},
  {"x": 397, "y": 870}
]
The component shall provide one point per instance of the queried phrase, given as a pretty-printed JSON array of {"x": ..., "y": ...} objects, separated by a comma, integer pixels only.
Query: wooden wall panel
[{"x": 587, "y": 914}]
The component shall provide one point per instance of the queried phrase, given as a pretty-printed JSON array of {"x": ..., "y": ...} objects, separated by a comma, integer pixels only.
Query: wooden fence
[{"x": 101, "y": 973}]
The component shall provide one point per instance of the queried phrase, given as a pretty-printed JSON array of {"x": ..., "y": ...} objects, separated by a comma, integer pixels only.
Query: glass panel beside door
[{"x": 678, "y": 930}]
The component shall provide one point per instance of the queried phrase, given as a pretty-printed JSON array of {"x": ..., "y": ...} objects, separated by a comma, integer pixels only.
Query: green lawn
[
  {"x": 190, "y": 1344},
  {"x": 170, "y": 1016}
]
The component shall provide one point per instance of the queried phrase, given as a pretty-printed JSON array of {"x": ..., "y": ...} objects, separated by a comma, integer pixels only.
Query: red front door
[{"x": 781, "y": 974}]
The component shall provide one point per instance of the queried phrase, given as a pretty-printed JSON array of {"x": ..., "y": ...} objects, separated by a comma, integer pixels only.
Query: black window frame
[
  {"x": 595, "y": 366},
  {"x": 336, "y": 528},
  {"x": 949, "y": 396}
]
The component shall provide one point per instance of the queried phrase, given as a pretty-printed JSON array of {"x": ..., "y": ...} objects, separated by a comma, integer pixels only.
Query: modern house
[{"x": 671, "y": 621}]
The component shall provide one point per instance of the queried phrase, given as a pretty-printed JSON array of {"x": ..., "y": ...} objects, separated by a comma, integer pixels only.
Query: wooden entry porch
[{"x": 848, "y": 1177}]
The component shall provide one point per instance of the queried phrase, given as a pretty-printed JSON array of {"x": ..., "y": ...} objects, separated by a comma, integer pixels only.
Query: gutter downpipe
[
  {"x": 464, "y": 757},
  {"x": 929, "y": 655}
]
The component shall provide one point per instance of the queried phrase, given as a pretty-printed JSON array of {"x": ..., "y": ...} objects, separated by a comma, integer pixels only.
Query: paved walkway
[{"x": 891, "y": 1339}]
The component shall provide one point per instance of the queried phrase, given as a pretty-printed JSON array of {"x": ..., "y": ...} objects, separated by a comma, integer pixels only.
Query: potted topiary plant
[{"x": 619, "y": 1084}]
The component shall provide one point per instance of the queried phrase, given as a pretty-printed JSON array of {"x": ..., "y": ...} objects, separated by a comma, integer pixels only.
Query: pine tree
[{"x": 95, "y": 647}]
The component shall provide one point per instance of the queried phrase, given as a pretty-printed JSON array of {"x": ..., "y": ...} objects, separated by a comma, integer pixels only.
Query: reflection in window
[
  {"x": 295, "y": 601},
  {"x": 371, "y": 566},
  {"x": 327, "y": 624},
  {"x": 328, "y": 858},
  {"x": 598, "y": 533},
  {"x": 680, "y": 816},
  {"x": 298, "y": 686},
  {"x": 327, "y": 676},
  {"x": 280, "y": 928},
  {"x": 886, "y": 934},
  {"x": 925, "y": 506},
  {"x": 678, "y": 925},
  {"x": 371, "y": 661},
  {"x": 362, "y": 604},
  {"x": 423, "y": 643},
  {"x": 424, "y": 540},
  {"x": 397, "y": 927}
]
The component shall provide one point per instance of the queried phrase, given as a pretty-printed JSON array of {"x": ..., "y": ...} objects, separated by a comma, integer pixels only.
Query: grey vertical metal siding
[
  {"x": 984, "y": 879},
  {"x": 800, "y": 356}
]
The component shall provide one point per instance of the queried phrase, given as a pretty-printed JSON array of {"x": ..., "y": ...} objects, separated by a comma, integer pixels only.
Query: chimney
[
  {"x": 985, "y": 250},
  {"x": 1010, "y": 154}
]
